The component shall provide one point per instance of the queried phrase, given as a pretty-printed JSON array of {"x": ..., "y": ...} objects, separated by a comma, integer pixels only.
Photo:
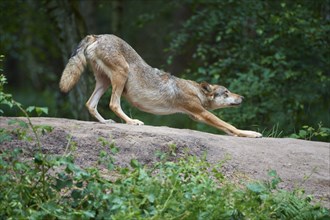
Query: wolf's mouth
[{"x": 235, "y": 104}]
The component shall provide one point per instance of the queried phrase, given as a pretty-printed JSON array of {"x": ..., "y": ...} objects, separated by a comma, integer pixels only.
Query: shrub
[{"x": 54, "y": 187}]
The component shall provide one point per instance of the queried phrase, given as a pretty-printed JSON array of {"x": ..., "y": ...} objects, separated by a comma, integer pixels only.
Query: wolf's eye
[{"x": 226, "y": 94}]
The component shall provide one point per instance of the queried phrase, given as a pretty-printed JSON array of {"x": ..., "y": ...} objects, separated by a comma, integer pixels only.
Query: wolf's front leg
[{"x": 204, "y": 116}]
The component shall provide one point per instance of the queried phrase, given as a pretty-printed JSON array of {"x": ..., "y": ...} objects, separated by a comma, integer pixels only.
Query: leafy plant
[
  {"x": 308, "y": 132},
  {"x": 167, "y": 190},
  {"x": 4, "y": 135},
  {"x": 22, "y": 131},
  {"x": 106, "y": 158}
]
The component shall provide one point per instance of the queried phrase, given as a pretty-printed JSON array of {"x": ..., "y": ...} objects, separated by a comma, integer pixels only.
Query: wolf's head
[{"x": 220, "y": 97}]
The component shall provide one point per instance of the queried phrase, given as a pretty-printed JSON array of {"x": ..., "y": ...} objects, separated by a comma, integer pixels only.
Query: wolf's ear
[{"x": 206, "y": 88}]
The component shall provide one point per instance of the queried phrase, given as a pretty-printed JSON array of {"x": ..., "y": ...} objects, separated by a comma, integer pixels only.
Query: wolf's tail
[{"x": 76, "y": 65}]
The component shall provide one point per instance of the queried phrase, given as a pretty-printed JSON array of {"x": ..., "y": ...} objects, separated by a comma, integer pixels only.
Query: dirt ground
[{"x": 299, "y": 163}]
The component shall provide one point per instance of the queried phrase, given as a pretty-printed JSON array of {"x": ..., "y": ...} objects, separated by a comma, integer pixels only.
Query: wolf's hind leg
[
  {"x": 102, "y": 84},
  {"x": 119, "y": 75}
]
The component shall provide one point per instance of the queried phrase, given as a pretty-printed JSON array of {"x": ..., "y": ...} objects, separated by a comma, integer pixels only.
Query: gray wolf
[{"x": 116, "y": 63}]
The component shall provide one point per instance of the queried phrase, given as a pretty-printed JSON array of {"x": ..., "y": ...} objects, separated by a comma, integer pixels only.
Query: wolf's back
[{"x": 75, "y": 65}]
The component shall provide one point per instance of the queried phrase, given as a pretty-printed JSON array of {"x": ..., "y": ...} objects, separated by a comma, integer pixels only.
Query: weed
[
  {"x": 4, "y": 135},
  {"x": 178, "y": 190},
  {"x": 308, "y": 132},
  {"x": 22, "y": 130},
  {"x": 274, "y": 132},
  {"x": 106, "y": 158},
  {"x": 169, "y": 153}
]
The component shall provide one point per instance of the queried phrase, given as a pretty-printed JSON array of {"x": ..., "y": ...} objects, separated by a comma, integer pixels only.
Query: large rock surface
[{"x": 299, "y": 163}]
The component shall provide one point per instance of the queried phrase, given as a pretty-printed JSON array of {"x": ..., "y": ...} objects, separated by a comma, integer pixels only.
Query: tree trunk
[
  {"x": 70, "y": 29},
  {"x": 117, "y": 11}
]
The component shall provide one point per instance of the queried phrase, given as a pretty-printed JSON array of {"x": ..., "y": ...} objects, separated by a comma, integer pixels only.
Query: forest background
[{"x": 275, "y": 53}]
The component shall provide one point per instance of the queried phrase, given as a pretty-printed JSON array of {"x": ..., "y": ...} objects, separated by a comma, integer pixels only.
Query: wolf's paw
[
  {"x": 251, "y": 134},
  {"x": 135, "y": 122}
]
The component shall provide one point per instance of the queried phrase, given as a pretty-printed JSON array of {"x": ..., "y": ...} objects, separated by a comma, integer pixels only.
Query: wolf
[{"x": 114, "y": 62}]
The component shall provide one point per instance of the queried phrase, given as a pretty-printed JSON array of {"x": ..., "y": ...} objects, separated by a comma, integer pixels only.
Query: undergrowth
[
  {"x": 310, "y": 133},
  {"x": 321, "y": 133},
  {"x": 54, "y": 187}
]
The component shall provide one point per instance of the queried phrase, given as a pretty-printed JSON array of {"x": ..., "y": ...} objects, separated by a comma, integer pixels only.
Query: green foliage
[
  {"x": 310, "y": 133},
  {"x": 22, "y": 130},
  {"x": 4, "y": 135},
  {"x": 7, "y": 100},
  {"x": 167, "y": 190},
  {"x": 275, "y": 53},
  {"x": 106, "y": 158}
]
